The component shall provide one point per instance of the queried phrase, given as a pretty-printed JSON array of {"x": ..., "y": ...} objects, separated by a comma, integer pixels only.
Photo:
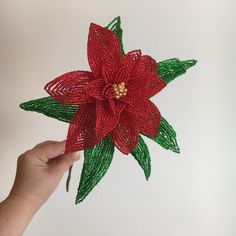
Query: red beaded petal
[
  {"x": 103, "y": 49},
  {"x": 95, "y": 88},
  {"x": 82, "y": 134},
  {"x": 140, "y": 106},
  {"x": 154, "y": 84},
  {"x": 131, "y": 60},
  {"x": 125, "y": 134},
  {"x": 121, "y": 76},
  {"x": 147, "y": 64},
  {"x": 116, "y": 105},
  {"x": 108, "y": 73},
  {"x": 147, "y": 116},
  {"x": 146, "y": 84},
  {"x": 105, "y": 119},
  {"x": 69, "y": 88}
]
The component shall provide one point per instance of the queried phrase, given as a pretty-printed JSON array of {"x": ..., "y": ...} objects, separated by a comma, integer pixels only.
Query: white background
[{"x": 190, "y": 194}]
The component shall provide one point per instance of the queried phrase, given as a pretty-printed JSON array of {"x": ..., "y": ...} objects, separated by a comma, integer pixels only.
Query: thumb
[{"x": 64, "y": 162}]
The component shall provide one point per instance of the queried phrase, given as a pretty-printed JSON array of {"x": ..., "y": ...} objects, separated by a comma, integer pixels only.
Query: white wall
[{"x": 191, "y": 194}]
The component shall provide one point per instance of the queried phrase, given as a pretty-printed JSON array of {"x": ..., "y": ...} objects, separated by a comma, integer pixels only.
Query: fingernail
[
  {"x": 64, "y": 145},
  {"x": 75, "y": 156}
]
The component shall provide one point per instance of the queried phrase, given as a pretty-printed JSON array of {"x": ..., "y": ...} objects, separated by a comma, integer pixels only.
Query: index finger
[{"x": 49, "y": 149}]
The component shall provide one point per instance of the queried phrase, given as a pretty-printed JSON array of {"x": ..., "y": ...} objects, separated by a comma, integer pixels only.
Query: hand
[{"x": 39, "y": 171}]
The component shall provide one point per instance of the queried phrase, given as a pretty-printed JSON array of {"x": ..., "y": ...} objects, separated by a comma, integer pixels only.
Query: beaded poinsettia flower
[
  {"x": 113, "y": 98},
  {"x": 110, "y": 105}
]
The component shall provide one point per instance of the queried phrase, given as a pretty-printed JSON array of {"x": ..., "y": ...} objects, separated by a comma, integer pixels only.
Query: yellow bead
[{"x": 119, "y": 90}]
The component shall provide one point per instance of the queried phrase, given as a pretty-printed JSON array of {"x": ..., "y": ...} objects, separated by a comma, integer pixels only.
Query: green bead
[
  {"x": 50, "y": 107},
  {"x": 166, "y": 137},
  {"x": 142, "y": 155},
  {"x": 97, "y": 160},
  {"x": 170, "y": 69}
]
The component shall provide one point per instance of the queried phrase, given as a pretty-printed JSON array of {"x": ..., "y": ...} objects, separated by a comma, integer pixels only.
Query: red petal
[
  {"x": 140, "y": 106},
  {"x": 69, "y": 88},
  {"x": 146, "y": 84},
  {"x": 121, "y": 76},
  {"x": 82, "y": 133},
  {"x": 131, "y": 60},
  {"x": 147, "y": 116},
  {"x": 147, "y": 64},
  {"x": 95, "y": 88},
  {"x": 106, "y": 120},
  {"x": 128, "y": 99},
  {"x": 125, "y": 134},
  {"x": 108, "y": 73},
  {"x": 103, "y": 48},
  {"x": 108, "y": 91},
  {"x": 117, "y": 106},
  {"x": 154, "y": 84},
  {"x": 136, "y": 84}
]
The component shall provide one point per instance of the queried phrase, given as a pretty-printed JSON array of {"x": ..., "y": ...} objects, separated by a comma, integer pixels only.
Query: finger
[
  {"x": 46, "y": 142},
  {"x": 49, "y": 150},
  {"x": 64, "y": 162}
]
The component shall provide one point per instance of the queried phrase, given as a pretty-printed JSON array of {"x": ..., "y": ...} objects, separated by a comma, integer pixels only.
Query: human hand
[{"x": 40, "y": 170}]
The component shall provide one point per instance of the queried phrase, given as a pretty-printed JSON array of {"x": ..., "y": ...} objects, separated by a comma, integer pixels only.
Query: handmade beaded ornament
[{"x": 110, "y": 106}]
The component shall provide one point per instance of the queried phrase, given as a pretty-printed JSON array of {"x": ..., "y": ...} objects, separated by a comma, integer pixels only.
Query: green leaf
[
  {"x": 115, "y": 26},
  {"x": 172, "y": 68},
  {"x": 50, "y": 107},
  {"x": 97, "y": 160},
  {"x": 166, "y": 137},
  {"x": 141, "y": 154}
]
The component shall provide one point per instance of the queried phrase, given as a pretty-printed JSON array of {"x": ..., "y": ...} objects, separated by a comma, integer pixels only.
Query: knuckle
[
  {"x": 24, "y": 156},
  {"x": 19, "y": 160},
  {"x": 67, "y": 159}
]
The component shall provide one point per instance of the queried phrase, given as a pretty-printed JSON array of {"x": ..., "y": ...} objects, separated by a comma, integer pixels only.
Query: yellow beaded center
[{"x": 119, "y": 90}]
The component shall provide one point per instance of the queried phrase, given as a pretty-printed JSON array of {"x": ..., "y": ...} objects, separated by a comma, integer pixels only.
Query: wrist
[
  {"x": 28, "y": 204},
  {"x": 15, "y": 214}
]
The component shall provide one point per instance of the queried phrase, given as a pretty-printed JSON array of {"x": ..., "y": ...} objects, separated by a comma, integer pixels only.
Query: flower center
[{"x": 119, "y": 90}]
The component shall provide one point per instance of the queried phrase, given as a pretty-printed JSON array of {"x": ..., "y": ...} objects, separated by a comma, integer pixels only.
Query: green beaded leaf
[
  {"x": 115, "y": 26},
  {"x": 169, "y": 69},
  {"x": 166, "y": 137},
  {"x": 141, "y": 154},
  {"x": 50, "y": 107},
  {"x": 97, "y": 160}
]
